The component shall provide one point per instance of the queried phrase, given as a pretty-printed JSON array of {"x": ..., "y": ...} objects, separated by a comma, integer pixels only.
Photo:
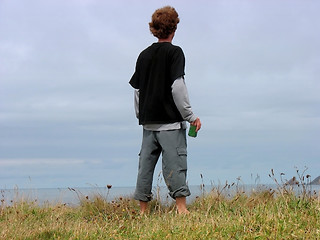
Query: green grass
[{"x": 266, "y": 214}]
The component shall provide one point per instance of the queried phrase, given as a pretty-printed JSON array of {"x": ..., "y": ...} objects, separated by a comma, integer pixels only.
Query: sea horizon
[{"x": 73, "y": 195}]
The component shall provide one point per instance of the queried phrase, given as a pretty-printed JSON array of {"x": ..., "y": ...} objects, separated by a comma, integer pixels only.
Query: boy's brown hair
[{"x": 164, "y": 22}]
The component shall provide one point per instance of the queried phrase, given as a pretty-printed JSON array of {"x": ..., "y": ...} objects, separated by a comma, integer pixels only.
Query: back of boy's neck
[
  {"x": 164, "y": 40},
  {"x": 168, "y": 39}
]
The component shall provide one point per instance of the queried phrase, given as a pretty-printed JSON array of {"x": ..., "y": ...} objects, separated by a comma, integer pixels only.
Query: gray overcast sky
[{"x": 66, "y": 108}]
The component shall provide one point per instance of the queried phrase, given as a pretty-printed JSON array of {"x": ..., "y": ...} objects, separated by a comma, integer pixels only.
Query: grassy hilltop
[{"x": 265, "y": 214}]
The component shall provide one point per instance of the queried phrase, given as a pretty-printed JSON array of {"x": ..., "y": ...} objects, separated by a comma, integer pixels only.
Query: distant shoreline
[{"x": 72, "y": 196}]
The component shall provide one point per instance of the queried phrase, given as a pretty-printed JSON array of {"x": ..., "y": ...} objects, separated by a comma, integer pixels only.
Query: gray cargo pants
[{"x": 173, "y": 146}]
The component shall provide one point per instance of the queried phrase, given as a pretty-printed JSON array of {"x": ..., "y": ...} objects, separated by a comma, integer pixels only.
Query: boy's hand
[{"x": 197, "y": 123}]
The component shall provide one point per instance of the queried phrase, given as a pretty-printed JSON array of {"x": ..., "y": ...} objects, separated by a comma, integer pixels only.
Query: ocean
[{"x": 72, "y": 196}]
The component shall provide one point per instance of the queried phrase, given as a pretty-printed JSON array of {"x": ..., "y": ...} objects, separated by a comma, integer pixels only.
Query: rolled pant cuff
[
  {"x": 142, "y": 197},
  {"x": 180, "y": 192}
]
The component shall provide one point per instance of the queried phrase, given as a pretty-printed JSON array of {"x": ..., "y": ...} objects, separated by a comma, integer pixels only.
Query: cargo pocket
[{"x": 182, "y": 161}]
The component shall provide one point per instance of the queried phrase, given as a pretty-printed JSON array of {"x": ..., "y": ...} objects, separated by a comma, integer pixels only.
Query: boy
[{"x": 162, "y": 107}]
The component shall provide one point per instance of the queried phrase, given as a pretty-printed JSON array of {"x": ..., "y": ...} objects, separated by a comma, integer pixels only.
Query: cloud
[{"x": 37, "y": 162}]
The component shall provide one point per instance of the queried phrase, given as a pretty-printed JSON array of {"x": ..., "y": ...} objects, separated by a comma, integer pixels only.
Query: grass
[{"x": 264, "y": 214}]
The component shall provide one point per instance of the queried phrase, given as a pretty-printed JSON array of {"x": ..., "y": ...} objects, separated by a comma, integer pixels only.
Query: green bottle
[{"x": 192, "y": 131}]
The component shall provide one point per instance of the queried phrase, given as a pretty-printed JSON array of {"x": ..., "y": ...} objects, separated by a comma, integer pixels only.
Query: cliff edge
[
  {"x": 294, "y": 181},
  {"x": 316, "y": 181}
]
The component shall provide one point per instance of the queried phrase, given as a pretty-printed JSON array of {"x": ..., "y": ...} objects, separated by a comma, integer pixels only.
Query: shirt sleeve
[
  {"x": 136, "y": 102},
  {"x": 177, "y": 64},
  {"x": 181, "y": 99},
  {"x": 134, "y": 81}
]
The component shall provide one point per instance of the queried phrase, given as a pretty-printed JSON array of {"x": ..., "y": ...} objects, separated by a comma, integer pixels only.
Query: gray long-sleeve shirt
[{"x": 181, "y": 99}]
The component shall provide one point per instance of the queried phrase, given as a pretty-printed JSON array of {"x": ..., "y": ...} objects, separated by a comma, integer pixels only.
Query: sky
[{"x": 66, "y": 108}]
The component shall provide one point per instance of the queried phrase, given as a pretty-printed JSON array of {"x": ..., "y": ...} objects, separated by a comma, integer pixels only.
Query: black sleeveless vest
[{"x": 157, "y": 67}]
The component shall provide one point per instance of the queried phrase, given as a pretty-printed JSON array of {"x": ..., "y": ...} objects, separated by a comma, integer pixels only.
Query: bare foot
[
  {"x": 185, "y": 212},
  {"x": 143, "y": 207},
  {"x": 181, "y": 205}
]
